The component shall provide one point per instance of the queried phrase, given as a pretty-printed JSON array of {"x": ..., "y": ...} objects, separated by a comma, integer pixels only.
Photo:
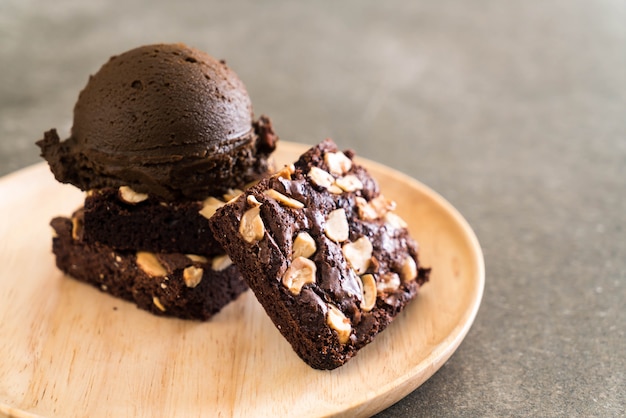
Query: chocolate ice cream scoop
[{"x": 167, "y": 120}]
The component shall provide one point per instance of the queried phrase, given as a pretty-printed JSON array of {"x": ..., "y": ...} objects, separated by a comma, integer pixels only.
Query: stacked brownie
[
  {"x": 159, "y": 254},
  {"x": 162, "y": 136},
  {"x": 186, "y": 286},
  {"x": 145, "y": 251}
]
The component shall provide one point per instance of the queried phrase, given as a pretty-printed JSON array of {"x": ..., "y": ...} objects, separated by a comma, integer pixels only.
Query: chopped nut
[
  {"x": 382, "y": 205},
  {"x": 285, "y": 172},
  {"x": 252, "y": 201},
  {"x": 337, "y": 162},
  {"x": 395, "y": 221},
  {"x": 409, "y": 269},
  {"x": 232, "y": 194},
  {"x": 284, "y": 200},
  {"x": 128, "y": 195},
  {"x": 366, "y": 211},
  {"x": 358, "y": 254},
  {"x": 375, "y": 208},
  {"x": 349, "y": 183},
  {"x": 221, "y": 262},
  {"x": 321, "y": 178},
  {"x": 388, "y": 282},
  {"x": 192, "y": 276},
  {"x": 158, "y": 303},
  {"x": 369, "y": 292},
  {"x": 209, "y": 206},
  {"x": 149, "y": 263},
  {"x": 300, "y": 272},
  {"x": 77, "y": 227},
  {"x": 303, "y": 246},
  {"x": 197, "y": 258},
  {"x": 251, "y": 226},
  {"x": 334, "y": 189},
  {"x": 336, "y": 227},
  {"x": 338, "y": 321}
]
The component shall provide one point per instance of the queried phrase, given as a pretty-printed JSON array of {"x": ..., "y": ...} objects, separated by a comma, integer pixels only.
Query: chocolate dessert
[
  {"x": 167, "y": 120},
  {"x": 159, "y": 133},
  {"x": 324, "y": 252}
]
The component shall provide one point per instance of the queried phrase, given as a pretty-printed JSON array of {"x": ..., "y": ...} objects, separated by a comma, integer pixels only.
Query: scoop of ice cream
[{"x": 167, "y": 120}]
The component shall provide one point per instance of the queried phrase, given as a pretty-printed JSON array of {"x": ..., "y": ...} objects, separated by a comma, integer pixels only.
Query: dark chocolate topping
[{"x": 168, "y": 120}]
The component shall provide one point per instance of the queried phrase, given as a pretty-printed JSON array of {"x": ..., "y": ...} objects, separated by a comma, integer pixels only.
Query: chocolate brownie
[
  {"x": 126, "y": 220},
  {"x": 324, "y": 253},
  {"x": 177, "y": 285}
]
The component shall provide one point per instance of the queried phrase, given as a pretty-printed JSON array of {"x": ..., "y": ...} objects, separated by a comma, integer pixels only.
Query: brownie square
[
  {"x": 185, "y": 286},
  {"x": 324, "y": 253}
]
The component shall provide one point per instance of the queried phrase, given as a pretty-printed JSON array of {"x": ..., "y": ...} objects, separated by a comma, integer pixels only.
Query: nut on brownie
[{"x": 324, "y": 252}]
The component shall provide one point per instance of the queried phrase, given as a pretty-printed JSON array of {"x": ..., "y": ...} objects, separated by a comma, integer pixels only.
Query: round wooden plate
[{"x": 70, "y": 350}]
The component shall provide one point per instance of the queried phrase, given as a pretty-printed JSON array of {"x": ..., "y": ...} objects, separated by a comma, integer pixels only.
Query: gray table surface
[{"x": 515, "y": 111}]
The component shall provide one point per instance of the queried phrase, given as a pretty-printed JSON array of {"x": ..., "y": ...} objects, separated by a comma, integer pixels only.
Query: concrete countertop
[{"x": 514, "y": 111}]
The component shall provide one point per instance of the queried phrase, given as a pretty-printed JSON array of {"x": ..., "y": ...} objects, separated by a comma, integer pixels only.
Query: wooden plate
[{"x": 69, "y": 350}]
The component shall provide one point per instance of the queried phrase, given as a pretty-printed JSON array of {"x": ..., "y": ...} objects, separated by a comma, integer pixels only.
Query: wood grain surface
[{"x": 66, "y": 349}]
